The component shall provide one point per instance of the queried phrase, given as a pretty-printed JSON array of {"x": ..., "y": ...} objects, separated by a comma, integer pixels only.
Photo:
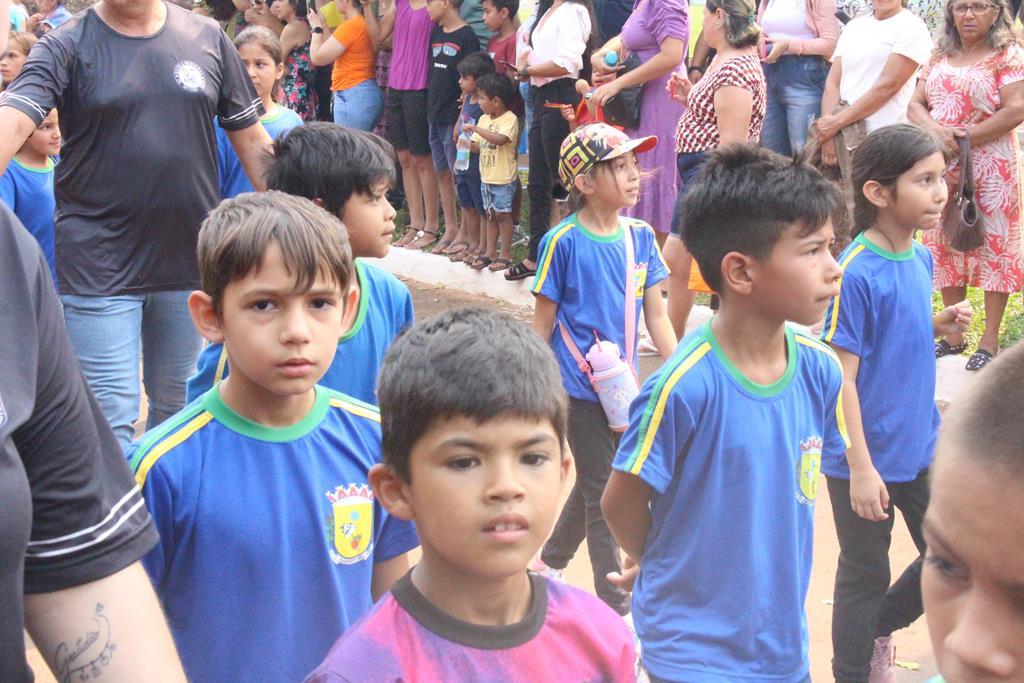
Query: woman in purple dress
[{"x": 657, "y": 32}]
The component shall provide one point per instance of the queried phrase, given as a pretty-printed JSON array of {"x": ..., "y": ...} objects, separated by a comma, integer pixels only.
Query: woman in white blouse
[
  {"x": 551, "y": 60},
  {"x": 872, "y": 69}
]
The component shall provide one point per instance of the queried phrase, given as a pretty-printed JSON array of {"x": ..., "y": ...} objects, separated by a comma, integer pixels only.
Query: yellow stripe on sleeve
[
  {"x": 830, "y": 352},
  {"x": 355, "y": 409},
  {"x": 163, "y": 447},
  {"x": 218, "y": 375},
  {"x": 835, "y": 304},
  {"x": 659, "y": 409},
  {"x": 549, "y": 253}
]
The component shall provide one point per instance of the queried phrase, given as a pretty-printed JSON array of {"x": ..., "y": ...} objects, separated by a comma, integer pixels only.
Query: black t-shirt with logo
[
  {"x": 71, "y": 513},
  {"x": 443, "y": 91},
  {"x": 138, "y": 168}
]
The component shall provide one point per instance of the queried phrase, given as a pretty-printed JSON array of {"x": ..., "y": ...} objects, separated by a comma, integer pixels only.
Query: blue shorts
[
  {"x": 467, "y": 184},
  {"x": 498, "y": 198},
  {"x": 442, "y": 145}
]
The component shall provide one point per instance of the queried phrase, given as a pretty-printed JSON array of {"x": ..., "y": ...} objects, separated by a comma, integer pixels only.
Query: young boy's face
[
  {"x": 972, "y": 582},
  {"x": 485, "y": 496},
  {"x": 493, "y": 17},
  {"x": 467, "y": 83},
  {"x": 489, "y": 105},
  {"x": 45, "y": 140},
  {"x": 800, "y": 276},
  {"x": 280, "y": 342},
  {"x": 370, "y": 220},
  {"x": 436, "y": 9}
]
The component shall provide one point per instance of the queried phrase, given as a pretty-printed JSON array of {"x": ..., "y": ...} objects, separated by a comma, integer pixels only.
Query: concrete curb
[{"x": 951, "y": 376}]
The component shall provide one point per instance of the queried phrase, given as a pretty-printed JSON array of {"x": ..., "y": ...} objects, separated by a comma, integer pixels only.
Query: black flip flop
[
  {"x": 519, "y": 272},
  {"x": 944, "y": 348},
  {"x": 979, "y": 359}
]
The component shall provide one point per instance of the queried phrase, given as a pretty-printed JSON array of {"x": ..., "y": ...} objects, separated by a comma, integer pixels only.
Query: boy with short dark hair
[
  {"x": 348, "y": 173},
  {"x": 479, "y": 467},
  {"x": 494, "y": 137},
  {"x": 451, "y": 40},
  {"x": 716, "y": 477},
  {"x": 270, "y": 538}
]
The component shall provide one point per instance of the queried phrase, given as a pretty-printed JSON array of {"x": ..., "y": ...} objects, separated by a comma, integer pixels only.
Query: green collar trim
[
  {"x": 760, "y": 390},
  {"x": 50, "y": 165},
  {"x": 614, "y": 237},
  {"x": 363, "y": 301},
  {"x": 273, "y": 116},
  {"x": 214, "y": 404},
  {"x": 885, "y": 253}
]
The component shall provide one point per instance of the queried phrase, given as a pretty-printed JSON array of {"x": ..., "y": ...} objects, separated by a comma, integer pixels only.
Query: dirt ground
[{"x": 913, "y": 652}]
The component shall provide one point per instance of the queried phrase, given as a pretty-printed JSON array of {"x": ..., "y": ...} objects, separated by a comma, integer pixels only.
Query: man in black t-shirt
[
  {"x": 137, "y": 84},
  {"x": 74, "y": 524}
]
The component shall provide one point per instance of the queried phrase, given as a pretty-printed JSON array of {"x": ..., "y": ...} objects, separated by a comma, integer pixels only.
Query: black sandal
[
  {"x": 944, "y": 348},
  {"x": 979, "y": 359},
  {"x": 519, "y": 272}
]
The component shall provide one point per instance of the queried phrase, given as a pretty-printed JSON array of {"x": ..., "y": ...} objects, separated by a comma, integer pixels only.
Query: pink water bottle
[{"x": 614, "y": 383}]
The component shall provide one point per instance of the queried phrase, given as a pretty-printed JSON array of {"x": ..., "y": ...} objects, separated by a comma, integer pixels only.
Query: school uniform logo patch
[
  {"x": 350, "y": 523},
  {"x": 640, "y": 275},
  {"x": 189, "y": 76},
  {"x": 808, "y": 468}
]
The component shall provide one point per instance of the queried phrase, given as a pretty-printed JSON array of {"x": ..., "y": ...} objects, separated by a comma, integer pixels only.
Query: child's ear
[
  {"x": 877, "y": 194},
  {"x": 351, "y": 308},
  {"x": 565, "y": 465},
  {"x": 319, "y": 202},
  {"x": 736, "y": 272},
  {"x": 584, "y": 182},
  {"x": 280, "y": 72},
  {"x": 200, "y": 307},
  {"x": 391, "y": 491}
]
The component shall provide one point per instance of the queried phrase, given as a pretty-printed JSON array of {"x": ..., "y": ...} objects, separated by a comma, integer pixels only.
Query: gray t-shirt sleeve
[
  {"x": 43, "y": 79},
  {"x": 238, "y": 105}
]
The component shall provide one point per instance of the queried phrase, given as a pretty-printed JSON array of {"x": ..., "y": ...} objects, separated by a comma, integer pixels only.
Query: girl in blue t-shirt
[
  {"x": 882, "y": 327},
  {"x": 260, "y": 51},
  {"x": 27, "y": 185},
  {"x": 581, "y": 289}
]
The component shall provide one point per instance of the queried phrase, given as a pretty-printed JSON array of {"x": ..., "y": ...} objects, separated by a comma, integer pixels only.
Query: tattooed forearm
[{"x": 87, "y": 658}]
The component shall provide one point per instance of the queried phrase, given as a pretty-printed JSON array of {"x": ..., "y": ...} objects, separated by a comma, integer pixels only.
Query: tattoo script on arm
[{"x": 86, "y": 658}]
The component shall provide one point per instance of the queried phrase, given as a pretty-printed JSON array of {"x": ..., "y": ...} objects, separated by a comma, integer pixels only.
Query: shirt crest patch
[
  {"x": 808, "y": 468},
  {"x": 189, "y": 76},
  {"x": 350, "y": 523}
]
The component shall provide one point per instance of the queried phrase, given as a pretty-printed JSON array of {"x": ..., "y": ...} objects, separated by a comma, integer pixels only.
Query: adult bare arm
[
  {"x": 5, "y": 27},
  {"x": 701, "y": 52},
  {"x": 380, "y": 30},
  {"x": 323, "y": 51},
  {"x": 918, "y": 114},
  {"x": 1006, "y": 119},
  {"x": 21, "y": 127},
  {"x": 733, "y": 109},
  {"x": 626, "y": 507},
  {"x": 295, "y": 34},
  {"x": 252, "y": 145},
  {"x": 113, "y": 625},
  {"x": 897, "y": 71},
  {"x": 829, "y": 102},
  {"x": 668, "y": 58}
]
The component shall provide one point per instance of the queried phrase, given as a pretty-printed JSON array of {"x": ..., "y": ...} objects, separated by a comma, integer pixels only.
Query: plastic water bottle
[
  {"x": 611, "y": 59},
  {"x": 614, "y": 383},
  {"x": 462, "y": 152}
]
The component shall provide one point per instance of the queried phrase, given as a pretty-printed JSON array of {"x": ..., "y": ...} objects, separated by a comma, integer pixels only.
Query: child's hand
[
  {"x": 624, "y": 580},
  {"x": 868, "y": 495},
  {"x": 679, "y": 88},
  {"x": 568, "y": 113},
  {"x": 470, "y": 128},
  {"x": 954, "y": 320}
]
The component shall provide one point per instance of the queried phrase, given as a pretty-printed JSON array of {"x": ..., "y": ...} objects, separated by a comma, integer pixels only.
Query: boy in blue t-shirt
[
  {"x": 479, "y": 466},
  {"x": 271, "y": 541},
  {"x": 348, "y": 172},
  {"x": 716, "y": 477},
  {"x": 27, "y": 185},
  {"x": 233, "y": 180}
]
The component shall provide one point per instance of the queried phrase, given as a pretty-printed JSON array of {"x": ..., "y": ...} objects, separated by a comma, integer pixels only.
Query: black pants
[
  {"x": 593, "y": 446},
  {"x": 547, "y": 131},
  {"x": 865, "y": 605}
]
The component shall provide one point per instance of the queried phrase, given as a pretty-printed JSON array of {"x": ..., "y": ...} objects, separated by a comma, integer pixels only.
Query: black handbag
[
  {"x": 960, "y": 223},
  {"x": 624, "y": 109}
]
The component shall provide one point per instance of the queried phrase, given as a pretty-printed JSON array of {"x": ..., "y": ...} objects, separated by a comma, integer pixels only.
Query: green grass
[{"x": 1013, "y": 320}]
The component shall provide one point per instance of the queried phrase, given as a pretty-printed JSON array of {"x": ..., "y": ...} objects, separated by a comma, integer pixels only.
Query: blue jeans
[
  {"x": 795, "y": 84},
  {"x": 358, "y": 107},
  {"x": 107, "y": 332}
]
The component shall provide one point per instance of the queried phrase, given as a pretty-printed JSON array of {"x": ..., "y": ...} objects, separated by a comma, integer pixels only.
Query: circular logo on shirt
[{"x": 189, "y": 76}]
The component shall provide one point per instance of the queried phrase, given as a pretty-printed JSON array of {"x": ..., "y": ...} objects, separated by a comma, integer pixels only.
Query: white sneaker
[{"x": 882, "y": 661}]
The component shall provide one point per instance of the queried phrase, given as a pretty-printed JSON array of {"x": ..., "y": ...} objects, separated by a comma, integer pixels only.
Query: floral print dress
[
  {"x": 297, "y": 91},
  {"x": 962, "y": 97}
]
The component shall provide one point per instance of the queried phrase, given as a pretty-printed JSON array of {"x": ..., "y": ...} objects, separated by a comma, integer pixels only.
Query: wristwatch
[{"x": 317, "y": 29}]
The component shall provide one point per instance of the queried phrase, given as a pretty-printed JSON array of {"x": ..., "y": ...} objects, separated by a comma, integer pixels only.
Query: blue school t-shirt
[
  {"x": 268, "y": 536},
  {"x": 233, "y": 180},
  {"x": 734, "y": 468},
  {"x": 883, "y": 314},
  {"x": 29, "y": 193},
  {"x": 385, "y": 311},
  {"x": 585, "y": 274}
]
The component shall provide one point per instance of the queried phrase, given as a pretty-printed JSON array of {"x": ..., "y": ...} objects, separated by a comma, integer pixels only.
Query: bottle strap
[
  {"x": 581, "y": 362},
  {"x": 630, "y": 297}
]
